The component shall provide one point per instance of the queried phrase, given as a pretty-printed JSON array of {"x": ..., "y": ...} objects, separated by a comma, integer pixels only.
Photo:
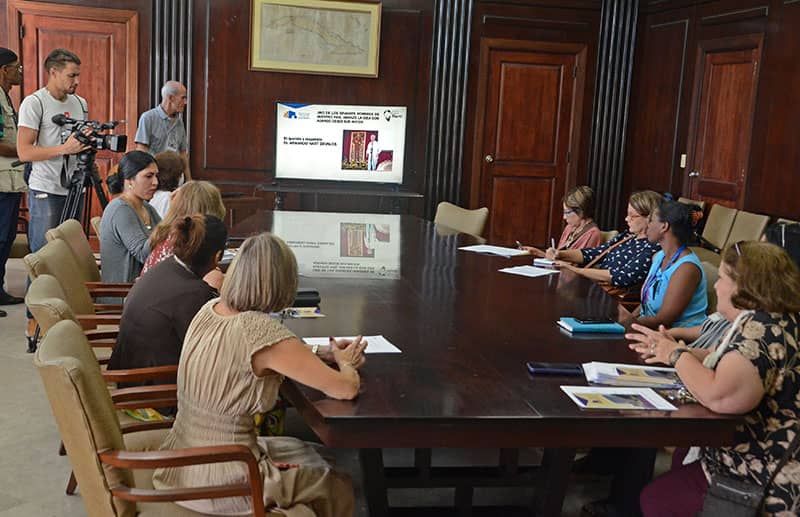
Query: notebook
[{"x": 572, "y": 325}]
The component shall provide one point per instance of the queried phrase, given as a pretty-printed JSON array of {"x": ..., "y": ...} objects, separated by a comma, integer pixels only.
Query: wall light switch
[{"x": 683, "y": 161}]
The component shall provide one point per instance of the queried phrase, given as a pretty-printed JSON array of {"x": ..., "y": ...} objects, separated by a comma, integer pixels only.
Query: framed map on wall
[{"x": 315, "y": 37}]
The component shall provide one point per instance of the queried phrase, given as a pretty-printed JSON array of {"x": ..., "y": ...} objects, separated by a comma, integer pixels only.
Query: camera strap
[{"x": 65, "y": 180}]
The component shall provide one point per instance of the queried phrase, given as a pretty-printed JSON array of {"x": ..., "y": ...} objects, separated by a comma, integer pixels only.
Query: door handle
[
  {"x": 489, "y": 158},
  {"x": 694, "y": 174}
]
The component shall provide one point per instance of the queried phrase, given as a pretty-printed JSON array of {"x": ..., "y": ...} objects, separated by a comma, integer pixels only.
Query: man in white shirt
[
  {"x": 373, "y": 150},
  {"x": 44, "y": 143},
  {"x": 12, "y": 184},
  {"x": 161, "y": 128}
]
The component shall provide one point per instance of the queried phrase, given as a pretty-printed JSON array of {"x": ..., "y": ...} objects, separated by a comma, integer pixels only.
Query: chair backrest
[
  {"x": 712, "y": 274},
  {"x": 687, "y": 201},
  {"x": 461, "y": 219},
  {"x": 747, "y": 227},
  {"x": 71, "y": 232},
  {"x": 783, "y": 220},
  {"x": 607, "y": 236},
  {"x": 45, "y": 299},
  {"x": 95, "y": 222},
  {"x": 56, "y": 259},
  {"x": 719, "y": 224},
  {"x": 85, "y": 415}
]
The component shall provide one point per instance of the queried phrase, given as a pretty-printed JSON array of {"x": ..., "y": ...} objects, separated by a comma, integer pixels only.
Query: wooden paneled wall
[{"x": 664, "y": 77}]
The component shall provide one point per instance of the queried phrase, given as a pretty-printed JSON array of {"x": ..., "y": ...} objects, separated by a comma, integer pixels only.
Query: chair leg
[{"x": 72, "y": 484}]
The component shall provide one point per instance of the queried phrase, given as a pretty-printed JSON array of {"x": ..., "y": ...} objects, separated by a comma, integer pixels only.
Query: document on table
[
  {"x": 528, "y": 271},
  {"x": 543, "y": 262},
  {"x": 616, "y": 398},
  {"x": 494, "y": 250},
  {"x": 377, "y": 344}
]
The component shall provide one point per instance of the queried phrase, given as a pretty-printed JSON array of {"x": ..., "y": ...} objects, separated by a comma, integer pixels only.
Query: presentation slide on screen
[
  {"x": 340, "y": 143},
  {"x": 342, "y": 245}
]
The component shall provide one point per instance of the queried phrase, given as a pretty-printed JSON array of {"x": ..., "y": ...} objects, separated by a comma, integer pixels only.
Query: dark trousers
[
  {"x": 9, "y": 212},
  {"x": 678, "y": 492}
]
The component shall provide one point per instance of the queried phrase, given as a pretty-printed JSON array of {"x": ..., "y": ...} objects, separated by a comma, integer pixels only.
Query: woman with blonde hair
[
  {"x": 580, "y": 230},
  {"x": 194, "y": 197},
  {"x": 624, "y": 261},
  {"x": 752, "y": 371},
  {"x": 234, "y": 359}
]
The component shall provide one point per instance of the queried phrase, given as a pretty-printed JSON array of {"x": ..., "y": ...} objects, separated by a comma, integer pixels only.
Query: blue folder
[{"x": 572, "y": 325}]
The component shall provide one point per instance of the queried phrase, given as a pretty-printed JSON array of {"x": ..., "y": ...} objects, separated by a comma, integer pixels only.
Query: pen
[
  {"x": 519, "y": 244},
  {"x": 552, "y": 243}
]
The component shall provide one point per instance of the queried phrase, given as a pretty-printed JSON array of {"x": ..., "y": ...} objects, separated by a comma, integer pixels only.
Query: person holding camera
[
  {"x": 12, "y": 184},
  {"x": 41, "y": 142}
]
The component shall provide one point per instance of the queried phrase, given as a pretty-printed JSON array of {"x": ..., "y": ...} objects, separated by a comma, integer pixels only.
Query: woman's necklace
[{"x": 141, "y": 212}]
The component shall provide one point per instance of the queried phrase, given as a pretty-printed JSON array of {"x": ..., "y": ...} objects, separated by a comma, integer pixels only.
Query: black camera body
[{"x": 93, "y": 138}]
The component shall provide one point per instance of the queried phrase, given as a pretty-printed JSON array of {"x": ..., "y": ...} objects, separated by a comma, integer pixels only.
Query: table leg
[
  {"x": 374, "y": 482},
  {"x": 554, "y": 480}
]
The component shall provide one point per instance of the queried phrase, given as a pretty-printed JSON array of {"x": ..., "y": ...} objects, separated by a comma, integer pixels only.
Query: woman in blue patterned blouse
[
  {"x": 625, "y": 260},
  {"x": 754, "y": 371}
]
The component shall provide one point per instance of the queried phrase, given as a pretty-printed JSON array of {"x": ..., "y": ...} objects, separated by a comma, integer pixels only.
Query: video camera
[{"x": 96, "y": 141}]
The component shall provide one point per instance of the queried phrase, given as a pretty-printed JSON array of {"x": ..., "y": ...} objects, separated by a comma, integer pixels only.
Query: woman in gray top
[{"x": 129, "y": 219}]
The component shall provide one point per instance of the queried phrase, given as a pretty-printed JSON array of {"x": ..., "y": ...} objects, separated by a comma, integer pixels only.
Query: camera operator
[{"x": 40, "y": 142}]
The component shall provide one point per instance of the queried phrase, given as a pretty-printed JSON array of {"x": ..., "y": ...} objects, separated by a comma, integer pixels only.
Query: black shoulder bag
[{"x": 730, "y": 497}]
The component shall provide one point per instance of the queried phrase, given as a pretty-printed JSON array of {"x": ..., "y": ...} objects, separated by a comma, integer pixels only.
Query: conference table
[{"x": 466, "y": 331}]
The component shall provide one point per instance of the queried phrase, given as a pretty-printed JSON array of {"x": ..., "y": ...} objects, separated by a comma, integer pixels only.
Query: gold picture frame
[{"x": 329, "y": 37}]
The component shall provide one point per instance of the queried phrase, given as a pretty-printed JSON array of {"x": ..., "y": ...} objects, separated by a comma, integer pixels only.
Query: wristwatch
[{"x": 675, "y": 354}]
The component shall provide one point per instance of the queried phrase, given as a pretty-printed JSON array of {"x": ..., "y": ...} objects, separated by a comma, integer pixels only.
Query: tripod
[{"x": 83, "y": 179}]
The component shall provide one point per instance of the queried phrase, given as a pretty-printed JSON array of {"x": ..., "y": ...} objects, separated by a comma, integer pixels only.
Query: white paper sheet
[
  {"x": 543, "y": 262},
  {"x": 528, "y": 271},
  {"x": 377, "y": 344},
  {"x": 494, "y": 250},
  {"x": 590, "y": 397}
]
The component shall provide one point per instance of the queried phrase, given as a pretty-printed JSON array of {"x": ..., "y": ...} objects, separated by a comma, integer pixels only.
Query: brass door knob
[{"x": 489, "y": 158}]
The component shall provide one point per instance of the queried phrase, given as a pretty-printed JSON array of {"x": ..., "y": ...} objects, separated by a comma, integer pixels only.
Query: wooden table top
[{"x": 466, "y": 332}]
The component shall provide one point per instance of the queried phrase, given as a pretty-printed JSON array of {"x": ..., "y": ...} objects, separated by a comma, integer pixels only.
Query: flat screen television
[{"x": 340, "y": 142}]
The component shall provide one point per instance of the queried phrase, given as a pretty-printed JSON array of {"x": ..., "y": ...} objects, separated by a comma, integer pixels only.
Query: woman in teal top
[{"x": 674, "y": 293}]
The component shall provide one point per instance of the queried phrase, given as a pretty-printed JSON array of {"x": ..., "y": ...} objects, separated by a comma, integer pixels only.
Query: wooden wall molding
[
  {"x": 544, "y": 23},
  {"x": 737, "y": 15}
]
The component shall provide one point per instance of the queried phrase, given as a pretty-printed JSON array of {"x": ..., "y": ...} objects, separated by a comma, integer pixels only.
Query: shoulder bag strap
[
  {"x": 786, "y": 457},
  {"x": 607, "y": 250}
]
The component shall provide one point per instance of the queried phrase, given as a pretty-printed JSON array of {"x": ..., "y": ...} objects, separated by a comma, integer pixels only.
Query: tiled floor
[{"x": 34, "y": 476}]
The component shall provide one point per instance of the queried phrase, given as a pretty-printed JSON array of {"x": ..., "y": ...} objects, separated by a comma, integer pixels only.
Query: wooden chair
[
  {"x": 114, "y": 480},
  {"x": 95, "y": 222},
  {"x": 686, "y": 201},
  {"x": 56, "y": 259},
  {"x": 607, "y": 236},
  {"x": 712, "y": 274},
  {"x": 747, "y": 227},
  {"x": 715, "y": 234},
  {"x": 461, "y": 219},
  {"x": 71, "y": 232}
]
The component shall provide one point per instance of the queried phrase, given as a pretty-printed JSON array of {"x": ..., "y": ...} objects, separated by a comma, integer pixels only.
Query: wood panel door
[
  {"x": 721, "y": 129},
  {"x": 106, "y": 41},
  {"x": 523, "y": 144}
]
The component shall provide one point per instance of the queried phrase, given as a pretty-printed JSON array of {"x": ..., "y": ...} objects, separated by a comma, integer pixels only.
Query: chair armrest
[
  {"x": 108, "y": 308},
  {"x": 142, "y": 374},
  {"x": 140, "y": 392},
  {"x": 102, "y": 334},
  {"x": 108, "y": 292},
  {"x": 182, "y": 458},
  {"x": 708, "y": 245},
  {"x": 90, "y": 321},
  {"x": 108, "y": 285},
  {"x": 146, "y": 426}
]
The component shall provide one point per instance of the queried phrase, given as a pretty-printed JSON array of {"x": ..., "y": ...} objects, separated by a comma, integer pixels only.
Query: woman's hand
[
  {"x": 561, "y": 264},
  {"x": 536, "y": 252},
  {"x": 654, "y": 346},
  {"x": 551, "y": 254},
  {"x": 349, "y": 352}
]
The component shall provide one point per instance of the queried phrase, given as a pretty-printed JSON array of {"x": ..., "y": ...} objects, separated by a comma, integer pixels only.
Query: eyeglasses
[
  {"x": 18, "y": 67},
  {"x": 634, "y": 216},
  {"x": 738, "y": 250},
  {"x": 570, "y": 211}
]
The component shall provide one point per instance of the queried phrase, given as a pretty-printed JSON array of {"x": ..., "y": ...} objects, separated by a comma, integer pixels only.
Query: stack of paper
[
  {"x": 494, "y": 250},
  {"x": 573, "y": 325},
  {"x": 543, "y": 262},
  {"x": 528, "y": 271},
  {"x": 377, "y": 344},
  {"x": 614, "y": 374},
  {"x": 588, "y": 397}
]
